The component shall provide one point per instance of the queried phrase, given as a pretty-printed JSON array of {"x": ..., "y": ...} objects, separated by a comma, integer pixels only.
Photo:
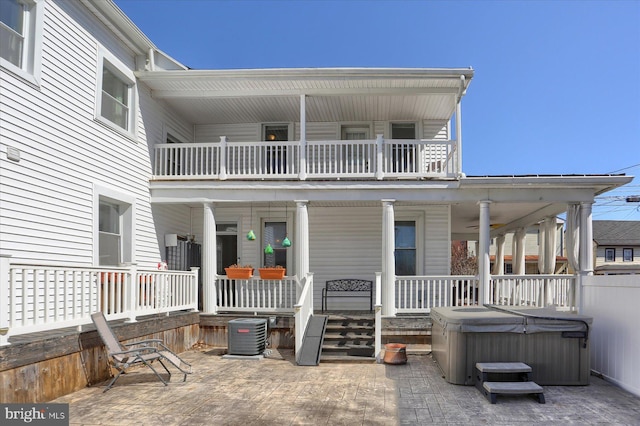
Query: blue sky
[{"x": 556, "y": 87}]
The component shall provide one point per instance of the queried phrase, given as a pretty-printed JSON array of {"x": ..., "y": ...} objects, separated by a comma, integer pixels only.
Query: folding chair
[{"x": 144, "y": 352}]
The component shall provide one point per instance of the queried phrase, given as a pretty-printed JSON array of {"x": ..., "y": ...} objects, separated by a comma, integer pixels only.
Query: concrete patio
[{"x": 274, "y": 391}]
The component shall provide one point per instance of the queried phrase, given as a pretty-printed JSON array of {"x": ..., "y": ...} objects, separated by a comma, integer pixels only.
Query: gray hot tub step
[
  {"x": 503, "y": 367},
  {"x": 492, "y": 389}
]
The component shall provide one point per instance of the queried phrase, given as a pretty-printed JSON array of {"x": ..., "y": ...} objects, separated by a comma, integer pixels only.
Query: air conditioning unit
[{"x": 247, "y": 336}]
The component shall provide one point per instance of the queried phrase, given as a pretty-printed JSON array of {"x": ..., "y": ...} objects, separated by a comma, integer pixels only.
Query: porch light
[
  {"x": 268, "y": 249},
  {"x": 271, "y": 137}
]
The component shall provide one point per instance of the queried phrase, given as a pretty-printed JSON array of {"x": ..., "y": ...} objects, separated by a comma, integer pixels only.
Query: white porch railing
[
  {"x": 303, "y": 311},
  {"x": 37, "y": 298},
  {"x": 256, "y": 295},
  {"x": 533, "y": 290},
  {"x": 367, "y": 159},
  {"x": 418, "y": 294}
]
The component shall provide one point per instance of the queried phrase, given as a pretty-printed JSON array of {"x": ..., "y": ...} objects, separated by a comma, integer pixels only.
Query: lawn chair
[{"x": 144, "y": 352}]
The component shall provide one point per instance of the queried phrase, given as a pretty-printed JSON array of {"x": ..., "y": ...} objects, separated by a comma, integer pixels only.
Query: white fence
[
  {"x": 256, "y": 295},
  {"x": 612, "y": 301},
  {"x": 45, "y": 297},
  {"x": 375, "y": 158}
]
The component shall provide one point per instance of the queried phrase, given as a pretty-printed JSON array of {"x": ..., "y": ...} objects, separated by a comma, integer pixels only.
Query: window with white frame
[
  {"x": 20, "y": 35},
  {"x": 405, "y": 250},
  {"x": 627, "y": 255},
  {"x": 113, "y": 227},
  {"x": 116, "y": 94},
  {"x": 610, "y": 255}
]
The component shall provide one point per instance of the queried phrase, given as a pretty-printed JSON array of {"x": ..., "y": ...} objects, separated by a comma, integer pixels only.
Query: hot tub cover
[{"x": 516, "y": 320}]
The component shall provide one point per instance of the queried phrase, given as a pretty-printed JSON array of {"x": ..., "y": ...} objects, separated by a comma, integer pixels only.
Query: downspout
[{"x": 461, "y": 93}]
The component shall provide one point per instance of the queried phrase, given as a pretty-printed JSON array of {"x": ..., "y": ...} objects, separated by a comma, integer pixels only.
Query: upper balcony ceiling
[{"x": 245, "y": 96}]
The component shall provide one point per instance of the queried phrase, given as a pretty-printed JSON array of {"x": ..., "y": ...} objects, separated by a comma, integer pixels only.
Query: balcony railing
[{"x": 362, "y": 159}]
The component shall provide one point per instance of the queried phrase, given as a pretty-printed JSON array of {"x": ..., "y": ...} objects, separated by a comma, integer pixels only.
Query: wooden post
[{"x": 132, "y": 285}]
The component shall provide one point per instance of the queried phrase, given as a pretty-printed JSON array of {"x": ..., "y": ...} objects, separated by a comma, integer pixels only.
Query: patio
[{"x": 274, "y": 391}]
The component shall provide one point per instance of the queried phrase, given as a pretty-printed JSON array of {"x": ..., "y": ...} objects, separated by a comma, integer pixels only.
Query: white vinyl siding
[{"x": 47, "y": 212}]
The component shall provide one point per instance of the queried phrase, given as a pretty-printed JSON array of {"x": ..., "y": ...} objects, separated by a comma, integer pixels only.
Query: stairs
[
  {"x": 349, "y": 338},
  {"x": 518, "y": 370}
]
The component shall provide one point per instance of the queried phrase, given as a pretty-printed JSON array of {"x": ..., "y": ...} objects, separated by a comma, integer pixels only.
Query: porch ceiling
[
  {"x": 341, "y": 95},
  {"x": 516, "y": 201}
]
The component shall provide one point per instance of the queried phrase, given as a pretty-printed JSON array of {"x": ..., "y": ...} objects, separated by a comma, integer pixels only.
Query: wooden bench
[{"x": 344, "y": 287}]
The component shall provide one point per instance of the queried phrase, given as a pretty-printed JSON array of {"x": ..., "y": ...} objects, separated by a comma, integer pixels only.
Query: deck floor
[{"x": 274, "y": 391}]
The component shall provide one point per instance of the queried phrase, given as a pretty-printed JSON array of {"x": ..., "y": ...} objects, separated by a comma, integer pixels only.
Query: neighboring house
[
  {"x": 108, "y": 146},
  {"x": 616, "y": 246}
]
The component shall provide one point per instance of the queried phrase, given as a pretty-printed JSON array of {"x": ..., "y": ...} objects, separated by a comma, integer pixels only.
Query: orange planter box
[
  {"x": 271, "y": 273},
  {"x": 239, "y": 273}
]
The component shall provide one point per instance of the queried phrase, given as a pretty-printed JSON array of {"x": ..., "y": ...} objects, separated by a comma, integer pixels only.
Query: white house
[{"x": 108, "y": 146}]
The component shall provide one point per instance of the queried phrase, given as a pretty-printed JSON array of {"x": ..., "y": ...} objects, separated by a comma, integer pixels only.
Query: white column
[
  {"x": 586, "y": 239},
  {"x": 301, "y": 242},
  {"x": 550, "y": 241},
  {"x": 223, "y": 158},
  {"x": 303, "y": 138},
  {"x": 388, "y": 259},
  {"x": 483, "y": 255},
  {"x": 379, "y": 157},
  {"x": 517, "y": 252},
  {"x": 209, "y": 261},
  {"x": 459, "y": 135},
  {"x": 498, "y": 265}
]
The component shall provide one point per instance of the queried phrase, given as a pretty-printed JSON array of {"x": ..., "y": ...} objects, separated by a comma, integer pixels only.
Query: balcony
[{"x": 375, "y": 159}]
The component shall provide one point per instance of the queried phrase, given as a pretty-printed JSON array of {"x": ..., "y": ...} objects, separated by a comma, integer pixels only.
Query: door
[
  {"x": 403, "y": 155},
  {"x": 276, "y": 156}
]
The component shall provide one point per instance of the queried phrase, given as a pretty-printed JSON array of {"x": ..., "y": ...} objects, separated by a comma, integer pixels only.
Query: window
[
  {"x": 114, "y": 227},
  {"x": 355, "y": 133},
  {"x": 116, "y": 94},
  {"x": 20, "y": 36},
  {"x": 274, "y": 234},
  {"x": 405, "y": 250},
  {"x": 115, "y": 99},
  {"x": 610, "y": 255},
  {"x": 508, "y": 268},
  {"x": 627, "y": 255},
  {"x": 110, "y": 229},
  {"x": 403, "y": 155}
]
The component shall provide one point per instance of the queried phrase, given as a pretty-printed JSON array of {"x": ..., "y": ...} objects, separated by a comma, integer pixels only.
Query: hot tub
[{"x": 552, "y": 342}]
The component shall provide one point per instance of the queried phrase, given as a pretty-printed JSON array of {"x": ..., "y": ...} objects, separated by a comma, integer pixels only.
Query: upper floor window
[
  {"x": 115, "y": 94},
  {"x": 610, "y": 255},
  {"x": 115, "y": 99},
  {"x": 403, "y": 130},
  {"x": 627, "y": 255},
  {"x": 20, "y": 36}
]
